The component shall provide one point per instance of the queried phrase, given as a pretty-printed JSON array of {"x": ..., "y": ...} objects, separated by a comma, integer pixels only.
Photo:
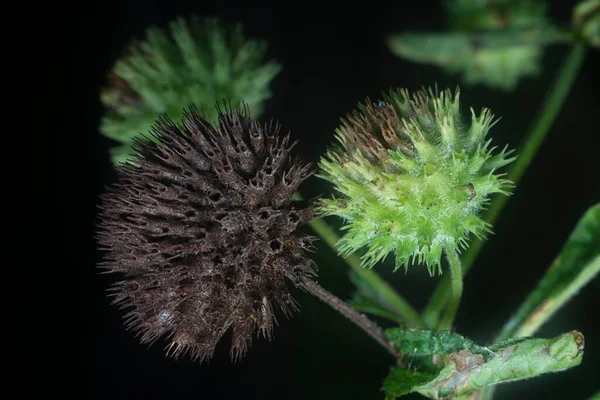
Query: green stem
[
  {"x": 456, "y": 275},
  {"x": 384, "y": 290},
  {"x": 554, "y": 102}
]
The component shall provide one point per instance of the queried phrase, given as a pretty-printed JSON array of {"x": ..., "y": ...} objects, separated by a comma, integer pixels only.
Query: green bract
[
  {"x": 414, "y": 177},
  {"x": 198, "y": 62}
]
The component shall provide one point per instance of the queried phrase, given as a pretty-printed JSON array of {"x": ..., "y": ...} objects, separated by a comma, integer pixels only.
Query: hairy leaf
[{"x": 443, "y": 365}]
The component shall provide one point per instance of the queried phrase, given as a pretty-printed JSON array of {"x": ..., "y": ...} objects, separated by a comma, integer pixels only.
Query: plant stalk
[
  {"x": 537, "y": 133},
  {"x": 384, "y": 290},
  {"x": 456, "y": 275},
  {"x": 371, "y": 328}
]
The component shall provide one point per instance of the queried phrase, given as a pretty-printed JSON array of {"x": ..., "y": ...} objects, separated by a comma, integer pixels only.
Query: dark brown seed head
[{"x": 204, "y": 232}]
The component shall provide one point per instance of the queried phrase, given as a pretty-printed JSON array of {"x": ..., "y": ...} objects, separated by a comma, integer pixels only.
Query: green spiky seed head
[
  {"x": 198, "y": 61},
  {"x": 414, "y": 177}
]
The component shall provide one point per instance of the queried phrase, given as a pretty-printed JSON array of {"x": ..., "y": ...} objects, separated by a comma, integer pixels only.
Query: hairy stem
[
  {"x": 396, "y": 302},
  {"x": 456, "y": 276},
  {"x": 371, "y": 328},
  {"x": 538, "y": 131}
]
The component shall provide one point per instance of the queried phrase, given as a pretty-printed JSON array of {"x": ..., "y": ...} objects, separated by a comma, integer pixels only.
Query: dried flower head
[
  {"x": 414, "y": 177},
  {"x": 204, "y": 231}
]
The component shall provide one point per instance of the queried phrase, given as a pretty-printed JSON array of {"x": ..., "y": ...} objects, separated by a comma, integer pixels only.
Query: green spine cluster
[
  {"x": 196, "y": 62},
  {"x": 413, "y": 177}
]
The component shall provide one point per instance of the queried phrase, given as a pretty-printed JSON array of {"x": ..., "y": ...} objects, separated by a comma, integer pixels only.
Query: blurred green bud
[
  {"x": 414, "y": 177},
  {"x": 196, "y": 62}
]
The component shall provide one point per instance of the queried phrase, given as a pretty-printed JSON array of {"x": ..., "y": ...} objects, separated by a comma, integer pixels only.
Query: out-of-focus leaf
[
  {"x": 595, "y": 396},
  {"x": 367, "y": 305},
  {"x": 586, "y": 17},
  {"x": 368, "y": 299},
  {"x": 577, "y": 263},
  {"x": 478, "y": 15},
  {"x": 497, "y": 58},
  {"x": 443, "y": 365}
]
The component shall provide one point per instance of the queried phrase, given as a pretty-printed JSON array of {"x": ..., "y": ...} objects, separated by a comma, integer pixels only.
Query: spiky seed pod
[
  {"x": 195, "y": 61},
  {"x": 414, "y": 177},
  {"x": 204, "y": 232}
]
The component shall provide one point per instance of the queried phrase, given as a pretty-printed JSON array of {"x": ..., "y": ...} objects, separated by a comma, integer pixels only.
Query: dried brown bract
[{"x": 203, "y": 228}]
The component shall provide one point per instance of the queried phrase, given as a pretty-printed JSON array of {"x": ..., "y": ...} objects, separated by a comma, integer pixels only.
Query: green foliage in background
[
  {"x": 197, "y": 62},
  {"x": 586, "y": 20},
  {"x": 577, "y": 263},
  {"x": 480, "y": 15},
  {"x": 490, "y": 42}
]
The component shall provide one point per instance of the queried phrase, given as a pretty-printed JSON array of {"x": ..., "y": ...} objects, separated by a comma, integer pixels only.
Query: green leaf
[
  {"x": 442, "y": 365},
  {"x": 577, "y": 263},
  {"x": 403, "y": 381},
  {"x": 498, "y": 59},
  {"x": 368, "y": 299},
  {"x": 586, "y": 18},
  {"x": 595, "y": 396}
]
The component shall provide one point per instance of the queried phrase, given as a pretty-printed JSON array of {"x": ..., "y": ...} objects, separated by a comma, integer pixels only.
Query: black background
[{"x": 332, "y": 58}]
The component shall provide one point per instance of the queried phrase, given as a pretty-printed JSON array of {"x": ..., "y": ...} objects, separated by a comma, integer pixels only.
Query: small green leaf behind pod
[
  {"x": 368, "y": 299},
  {"x": 443, "y": 365},
  {"x": 577, "y": 264}
]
